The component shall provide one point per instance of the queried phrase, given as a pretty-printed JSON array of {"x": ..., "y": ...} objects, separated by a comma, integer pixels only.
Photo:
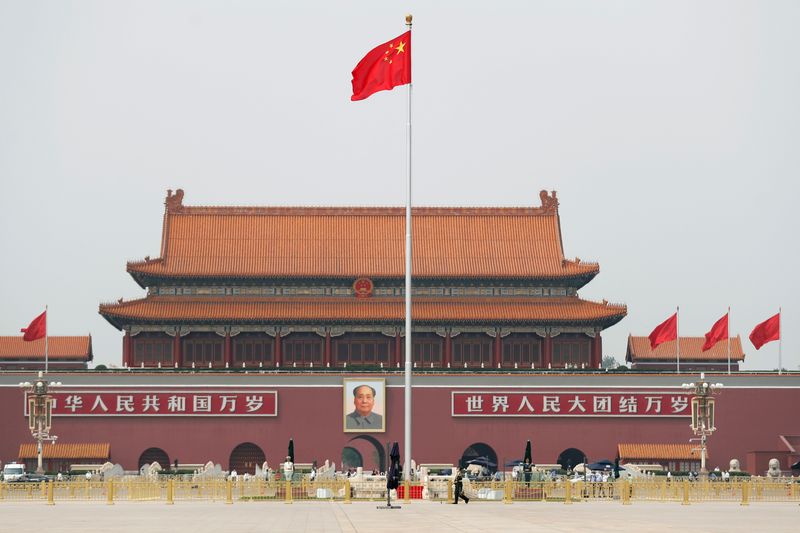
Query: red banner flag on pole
[
  {"x": 383, "y": 68},
  {"x": 719, "y": 332},
  {"x": 664, "y": 332},
  {"x": 767, "y": 331},
  {"x": 37, "y": 329}
]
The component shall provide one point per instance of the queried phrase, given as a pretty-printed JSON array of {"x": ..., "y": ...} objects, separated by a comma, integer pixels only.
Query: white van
[{"x": 13, "y": 471}]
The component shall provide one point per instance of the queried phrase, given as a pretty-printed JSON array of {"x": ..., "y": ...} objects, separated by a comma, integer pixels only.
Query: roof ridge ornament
[
  {"x": 549, "y": 203},
  {"x": 174, "y": 202}
]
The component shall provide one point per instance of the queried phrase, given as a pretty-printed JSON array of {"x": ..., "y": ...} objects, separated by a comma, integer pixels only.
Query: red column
[
  {"x": 497, "y": 348},
  {"x": 177, "y": 353},
  {"x": 448, "y": 350},
  {"x": 278, "y": 361},
  {"x": 228, "y": 352},
  {"x": 127, "y": 353},
  {"x": 326, "y": 357},
  {"x": 547, "y": 356},
  {"x": 597, "y": 351}
]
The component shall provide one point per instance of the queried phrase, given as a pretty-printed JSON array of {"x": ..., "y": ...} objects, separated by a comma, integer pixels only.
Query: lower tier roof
[{"x": 183, "y": 309}]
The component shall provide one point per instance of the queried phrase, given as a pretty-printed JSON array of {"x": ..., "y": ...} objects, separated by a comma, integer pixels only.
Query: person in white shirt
[{"x": 288, "y": 469}]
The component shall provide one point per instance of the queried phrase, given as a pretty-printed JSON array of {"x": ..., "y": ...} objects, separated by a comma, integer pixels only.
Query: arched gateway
[
  {"x": 245, "y": 457},
  {"x": 571, "y": 457},
  {"x": 154, "y": 455},
  {"x": 479, "y": 453}
]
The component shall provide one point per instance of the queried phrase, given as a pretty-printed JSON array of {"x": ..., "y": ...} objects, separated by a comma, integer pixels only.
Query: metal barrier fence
[{"x": 686, "y": 492}]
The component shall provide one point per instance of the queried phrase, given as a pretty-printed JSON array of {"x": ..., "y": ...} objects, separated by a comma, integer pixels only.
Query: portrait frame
[{"x": 350, "y": 421}]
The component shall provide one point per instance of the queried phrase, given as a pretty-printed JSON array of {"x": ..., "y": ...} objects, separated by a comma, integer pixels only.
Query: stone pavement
[{"x": 417, "y": 517}]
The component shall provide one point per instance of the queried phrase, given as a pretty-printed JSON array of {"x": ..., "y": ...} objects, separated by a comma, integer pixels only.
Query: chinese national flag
[
  {"x": 664, "y": 332},
  {"x": 383, "y": 68},
  {"x": 719, "y": 331},
  {"x": 769, "y": 330},
  {"x": 37, "y": 329}
]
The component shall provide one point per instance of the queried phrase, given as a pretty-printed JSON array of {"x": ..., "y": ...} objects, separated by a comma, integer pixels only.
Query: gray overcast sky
[{"x": 670, "y": 130}]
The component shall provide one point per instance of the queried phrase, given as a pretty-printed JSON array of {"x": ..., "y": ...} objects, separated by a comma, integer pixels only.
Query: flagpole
[
  {"x": 45, "y": 339},
  {"x": 407, "y": 428},
  {"x": 729, "y": 340},
  {"x": 780, "y": 343},
  {"x": 678, "y": 338}
]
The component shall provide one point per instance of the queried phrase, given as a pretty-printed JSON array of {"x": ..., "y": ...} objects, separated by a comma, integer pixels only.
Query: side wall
[{"x": 748, "y": 419}]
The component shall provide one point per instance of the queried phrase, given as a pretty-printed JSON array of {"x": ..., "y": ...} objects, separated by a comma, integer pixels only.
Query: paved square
[{"x": 417, "y": 517}]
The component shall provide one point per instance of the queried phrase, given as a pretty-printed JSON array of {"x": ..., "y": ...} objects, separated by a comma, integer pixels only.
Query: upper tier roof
[
  {"x": 61, "y": 348},
  {"x": 691, "y": 350},
  {"x": 262, "y": 242},
  {"x": 160, "y": 309}
]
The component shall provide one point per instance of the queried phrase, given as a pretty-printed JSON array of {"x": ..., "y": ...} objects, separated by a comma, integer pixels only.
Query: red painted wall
[{"x": 747, "y": 420}]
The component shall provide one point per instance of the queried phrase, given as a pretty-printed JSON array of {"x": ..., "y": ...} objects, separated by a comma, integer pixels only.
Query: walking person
[{"x": 459, "y": 487}]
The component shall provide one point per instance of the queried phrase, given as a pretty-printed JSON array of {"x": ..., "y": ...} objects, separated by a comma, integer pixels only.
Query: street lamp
[
  {"x": 702, "y": 414},
  {"x": 40, "y": 410}
]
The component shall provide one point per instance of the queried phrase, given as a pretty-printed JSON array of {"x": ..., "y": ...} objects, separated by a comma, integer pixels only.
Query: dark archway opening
[
  {"x": 154, "y": 455},
  {"x": 245, "y": 457},
  {"x": 371, "y": 451},
  {"x": 351, "y": 458},
  {"x": 479, "y": 453},
  {"x": 570, "y": 457}
]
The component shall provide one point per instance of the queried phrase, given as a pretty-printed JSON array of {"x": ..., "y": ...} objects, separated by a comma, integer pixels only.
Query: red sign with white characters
[
  {"x": 164, "y": 402},
  {"x": 576, "y": 403}
]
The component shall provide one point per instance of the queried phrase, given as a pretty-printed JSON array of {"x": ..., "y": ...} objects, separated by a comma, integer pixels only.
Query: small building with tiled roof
[
  {"x": 692, "y": 357},
  {"x": 272, "y": 287},
  {"x": 683, "y": 457},
  {"x": 59, "y": 456},
  {"x": 63, "y": 353}
]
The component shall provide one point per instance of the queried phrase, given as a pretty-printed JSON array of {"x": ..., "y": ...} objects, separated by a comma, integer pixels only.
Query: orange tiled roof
[
  {"x": 691, "y": 350},
  {"x": 67, "y": 348},
  {"x": 159, "y": 308},
  {"x": 62, "y": 450},
  {"x": 352, "y": 242},
  {"x": 629, "y": 452}
]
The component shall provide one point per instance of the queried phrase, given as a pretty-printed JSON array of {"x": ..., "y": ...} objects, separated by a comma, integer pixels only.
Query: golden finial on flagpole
[{"x": 408, "y": 20}]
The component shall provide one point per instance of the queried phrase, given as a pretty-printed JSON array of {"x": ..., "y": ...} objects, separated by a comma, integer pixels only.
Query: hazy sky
[{"x": 670, "y": 130}]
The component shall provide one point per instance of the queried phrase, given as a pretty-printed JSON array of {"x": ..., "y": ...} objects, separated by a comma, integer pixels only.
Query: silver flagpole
[
  {"x": 729, "y": 340},
  {"x": 407, "y": 443},
  {"x": 780, "y": 342},
  {"x": 46, "y": 319},
  {"x": 678, "y": 338}
]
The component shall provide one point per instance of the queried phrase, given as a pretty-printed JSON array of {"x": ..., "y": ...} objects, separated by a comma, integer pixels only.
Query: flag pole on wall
[
  {"x": 384, "y": 67},
  {"x": 678, "y": 339},
  {"x": 46, "y": 335},
  {"x": 409, "y": 346}
]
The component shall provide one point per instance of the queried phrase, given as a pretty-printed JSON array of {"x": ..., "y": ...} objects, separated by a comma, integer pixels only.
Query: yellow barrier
[
  {"x": 755, "y": 490},
  {"x": 288, "y": 495},
  {"x": 406, "y": 491}
]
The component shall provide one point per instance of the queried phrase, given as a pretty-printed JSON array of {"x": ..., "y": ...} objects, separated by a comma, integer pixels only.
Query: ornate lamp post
[
  {"x": 40, "y": 406},
  {"x": 703, "y": 414}
]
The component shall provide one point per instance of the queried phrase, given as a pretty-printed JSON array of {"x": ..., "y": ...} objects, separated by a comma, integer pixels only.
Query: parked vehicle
[
  {"x": 31, "y": 478},
  {"x": 13, "y": 471}
]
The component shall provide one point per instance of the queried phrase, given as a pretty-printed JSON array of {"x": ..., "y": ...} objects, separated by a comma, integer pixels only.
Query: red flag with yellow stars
[{"x": 383, "y": 68}]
